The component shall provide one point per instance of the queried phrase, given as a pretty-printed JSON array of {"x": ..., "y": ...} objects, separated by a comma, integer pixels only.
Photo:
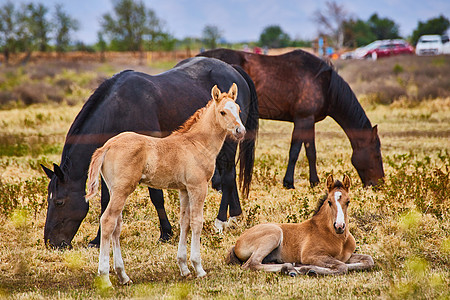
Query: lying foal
[{"x": 320, "y": 245}]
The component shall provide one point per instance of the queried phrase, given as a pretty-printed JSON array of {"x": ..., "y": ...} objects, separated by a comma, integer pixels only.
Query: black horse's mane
[
  {"x": 337, "y": 184},
  {"x": 89, "y": 106},
  {"x": 94, "y": 101}
]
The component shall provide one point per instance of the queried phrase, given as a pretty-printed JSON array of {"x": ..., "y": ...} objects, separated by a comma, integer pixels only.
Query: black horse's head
[
  {"x": 366, "y": 158},
  {"x": 66, "y": 210}
]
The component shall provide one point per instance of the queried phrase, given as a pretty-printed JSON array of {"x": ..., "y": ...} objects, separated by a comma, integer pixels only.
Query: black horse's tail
[{"x": 248, "y": 145}]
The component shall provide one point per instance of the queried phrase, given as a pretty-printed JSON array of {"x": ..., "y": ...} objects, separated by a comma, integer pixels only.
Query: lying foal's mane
[
  {"x": 336, "y": 184},
  {"x": 193, "y": 119}
]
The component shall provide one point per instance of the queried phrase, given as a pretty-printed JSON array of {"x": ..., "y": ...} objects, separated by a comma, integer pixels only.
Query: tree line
[{"x": 132, "y": 26}]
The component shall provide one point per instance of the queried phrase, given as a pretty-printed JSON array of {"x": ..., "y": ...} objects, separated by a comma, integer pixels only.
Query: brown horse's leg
[
  {"x": 117, "y": 254},
  {"x": 197, "y": 197},
  {"x": 360, "y": 262},
  {"x": 184, "y": 228},
  {"x": 303, "y": 133}
]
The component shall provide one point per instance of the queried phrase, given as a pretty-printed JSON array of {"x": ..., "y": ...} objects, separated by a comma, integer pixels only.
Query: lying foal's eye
[
  {"x": 329, "y": 202},
  {"x": 222, "y": 113}
]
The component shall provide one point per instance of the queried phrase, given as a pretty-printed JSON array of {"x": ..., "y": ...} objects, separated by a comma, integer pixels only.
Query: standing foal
[
  {"x": 184, "y": 160},
  {"x": 320, "y": 245}
]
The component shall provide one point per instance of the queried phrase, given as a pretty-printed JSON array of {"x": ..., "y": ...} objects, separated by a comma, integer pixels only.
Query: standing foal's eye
[
  {"x": 222, "y": 113},
  {"x": 329, "y": 202}
]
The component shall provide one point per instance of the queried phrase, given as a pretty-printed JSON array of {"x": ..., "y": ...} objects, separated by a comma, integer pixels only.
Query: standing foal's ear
[
  {"x": 215, "y": 93},
  {"x": 330, "y": 182},
  {"x": 347, "y": 182},
  {"x": 232, "y": 93}
]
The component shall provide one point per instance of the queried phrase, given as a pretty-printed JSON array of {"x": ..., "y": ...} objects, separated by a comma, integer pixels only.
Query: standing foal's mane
[{"x": 193, "y": 119}]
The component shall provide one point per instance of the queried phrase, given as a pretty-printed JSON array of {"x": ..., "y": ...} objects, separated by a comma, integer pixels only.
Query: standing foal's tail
[
  {"x": 247, "y": 147},
  {"x": 94, "y": 171}
]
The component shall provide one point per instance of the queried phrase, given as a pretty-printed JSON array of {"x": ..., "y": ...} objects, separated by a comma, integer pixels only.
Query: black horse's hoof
[
  {"x": 93, "y": 245},
  {"x": 288, "y": 185},
  {"x": 165, "y": 237}
]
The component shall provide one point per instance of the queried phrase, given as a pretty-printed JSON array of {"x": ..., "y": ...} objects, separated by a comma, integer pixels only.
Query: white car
[{"x": 432, "y": 44}]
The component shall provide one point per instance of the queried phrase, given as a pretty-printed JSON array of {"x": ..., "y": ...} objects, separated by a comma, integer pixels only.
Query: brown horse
[
  {"x": 320, "y": 245},
  {"x": 184, "y": 160},
  {"x": 301, "y": 88}
]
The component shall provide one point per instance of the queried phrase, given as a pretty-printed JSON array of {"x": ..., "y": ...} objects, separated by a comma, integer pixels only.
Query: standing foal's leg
[
  {"x": 184, "y": 228},
  {"x": 196, "y": 201},
  {"x": 118, "y": 261},
  {"x": 108, "y": 222}
]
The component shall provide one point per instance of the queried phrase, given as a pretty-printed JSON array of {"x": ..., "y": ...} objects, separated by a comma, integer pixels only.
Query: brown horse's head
[
  {"x": 227, "y": 111},
  {"x": 366, "y": 158},
  {"x": 337, "y": 203}
]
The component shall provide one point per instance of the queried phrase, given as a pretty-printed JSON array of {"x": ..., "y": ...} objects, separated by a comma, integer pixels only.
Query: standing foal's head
[
  {"x": 227, "y": 111},
  {"x": 338, "y": 201}
]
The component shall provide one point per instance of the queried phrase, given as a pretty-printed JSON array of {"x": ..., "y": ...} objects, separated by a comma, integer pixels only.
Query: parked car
[
  {"x": 433, "y": 44},
  {"x": 383, "y": 48}
]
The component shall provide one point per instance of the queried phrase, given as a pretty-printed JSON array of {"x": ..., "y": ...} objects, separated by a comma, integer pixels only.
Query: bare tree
[
  {"x": 331, "y": 22},
  {"x": 211, "y": 34}
]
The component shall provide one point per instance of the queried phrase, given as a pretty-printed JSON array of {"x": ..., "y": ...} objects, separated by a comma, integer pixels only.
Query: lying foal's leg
[
  {"x": 184, "y": 228},
  {"x": 360, "y": 262},
  {"x": 257, "y": 244},
  {"x": 322, "y": 265},
  {"x": 118, "y": 261}
]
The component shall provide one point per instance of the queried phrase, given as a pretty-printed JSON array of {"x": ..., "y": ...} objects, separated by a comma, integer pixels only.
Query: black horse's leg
[
  {"x": 95, "y": 243},
  {"x": 216, "y": 181},
  {"x": 303, "y": 133},
  {"x": 227, "y": 170},
  {"x": 157, "y": 198}
]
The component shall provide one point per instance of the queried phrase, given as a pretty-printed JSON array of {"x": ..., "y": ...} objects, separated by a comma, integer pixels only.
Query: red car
[{"x": 384, "y": 48}]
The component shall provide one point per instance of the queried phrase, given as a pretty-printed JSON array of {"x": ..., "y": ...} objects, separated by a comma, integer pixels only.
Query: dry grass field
[{"x": 404, "y": 225}]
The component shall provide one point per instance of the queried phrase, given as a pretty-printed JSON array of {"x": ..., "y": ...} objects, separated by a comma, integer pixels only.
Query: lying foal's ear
[
  {"x": 215, "y": 93},
  {"x": 330, "y": 182},
  {"x": 347, "y": 182},
  {"x": 233, "y": 92}
]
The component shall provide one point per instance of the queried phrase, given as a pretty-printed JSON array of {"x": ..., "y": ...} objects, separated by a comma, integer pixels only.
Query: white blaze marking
[
  {"x": 340, "y": 220},
  {"x": 51, "y": 195},
  {"x": 234, "y": 111}
]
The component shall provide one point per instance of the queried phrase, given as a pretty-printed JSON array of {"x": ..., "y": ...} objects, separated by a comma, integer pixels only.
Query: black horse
[
  {"x": 301, "y": 88},
  {"x": 152, "y": 105}
]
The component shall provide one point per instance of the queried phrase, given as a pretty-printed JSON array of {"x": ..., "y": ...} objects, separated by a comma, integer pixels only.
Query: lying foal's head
[
  {"x": 337, "y": 202},
  {"x": 227, "y": 111}
]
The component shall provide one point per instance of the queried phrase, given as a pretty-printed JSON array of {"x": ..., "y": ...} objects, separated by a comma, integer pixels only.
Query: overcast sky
[{"x": 244, "y": 20}]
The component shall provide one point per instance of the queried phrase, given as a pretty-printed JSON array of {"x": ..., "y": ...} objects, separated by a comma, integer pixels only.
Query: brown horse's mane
[
  {"x": 337, "y": 184},
  {"x": 192, "y": 120}
]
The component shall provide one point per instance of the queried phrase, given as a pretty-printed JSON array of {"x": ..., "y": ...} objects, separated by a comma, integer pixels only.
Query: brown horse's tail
[
  {"x": 94, "y": 171},
  {"x": 232, "y": 259},
  {"x": 248, "y": 145}
]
